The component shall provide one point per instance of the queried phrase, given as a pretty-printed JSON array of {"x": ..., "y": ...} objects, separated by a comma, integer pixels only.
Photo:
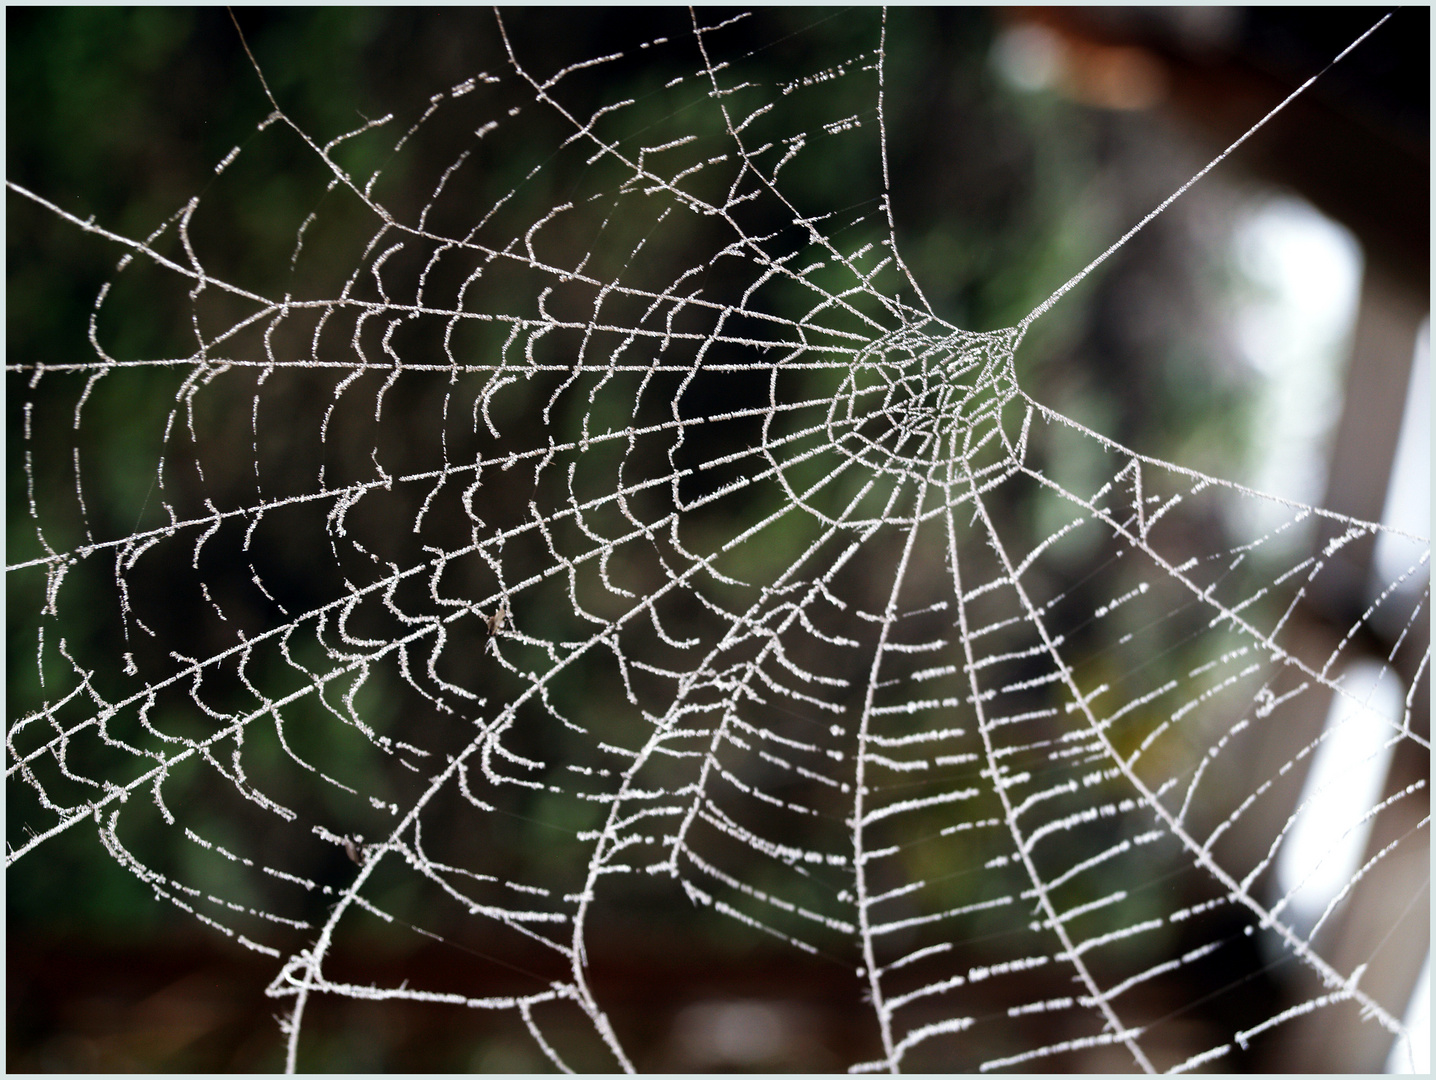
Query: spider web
[{"x": 550, "y": 558}]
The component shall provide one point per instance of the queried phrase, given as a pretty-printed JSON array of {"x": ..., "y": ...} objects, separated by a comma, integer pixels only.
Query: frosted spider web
[{"x": 550, "y": 559}]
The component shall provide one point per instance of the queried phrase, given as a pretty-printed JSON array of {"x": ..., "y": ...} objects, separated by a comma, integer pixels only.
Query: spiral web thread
[{"x": 681, "y": 524}]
